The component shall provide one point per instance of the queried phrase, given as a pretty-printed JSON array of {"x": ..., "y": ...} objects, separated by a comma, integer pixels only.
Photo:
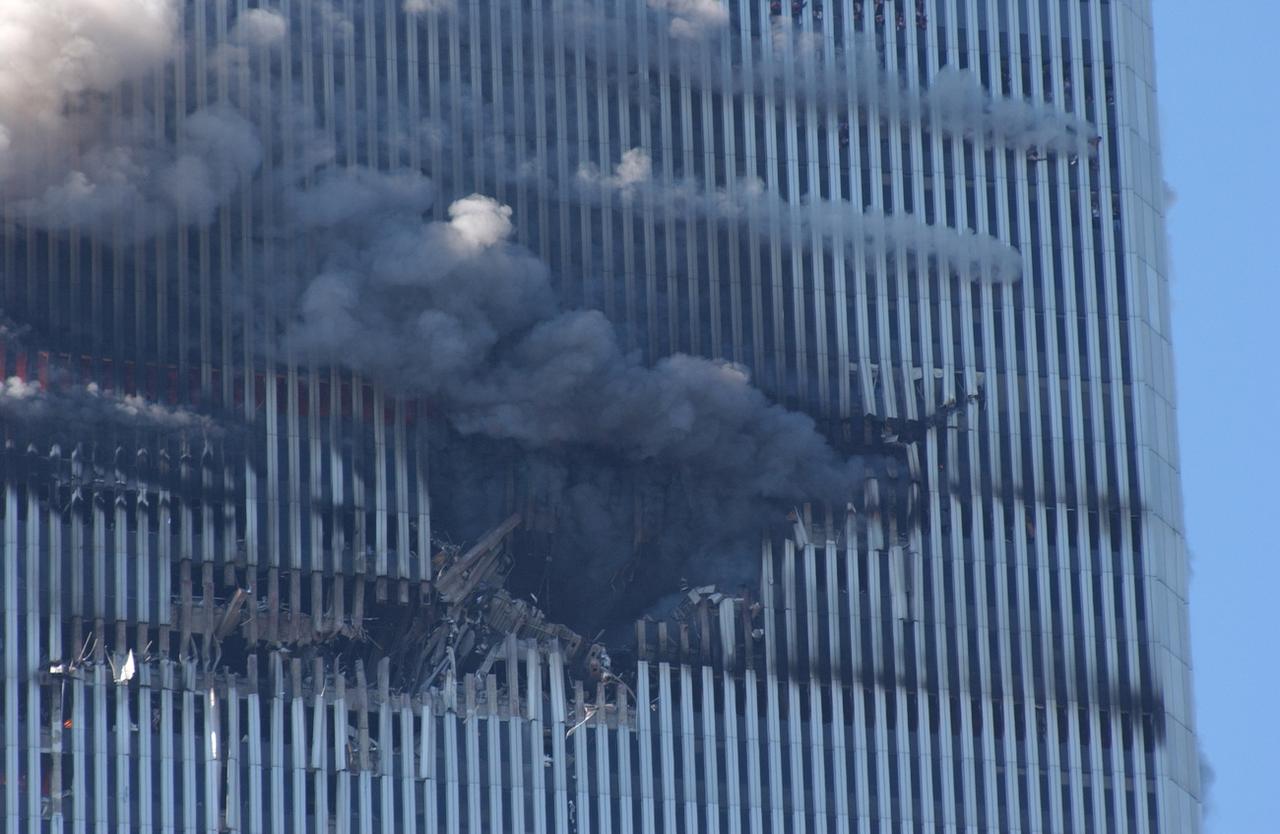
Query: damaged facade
[{"x": 299, "y": 613}]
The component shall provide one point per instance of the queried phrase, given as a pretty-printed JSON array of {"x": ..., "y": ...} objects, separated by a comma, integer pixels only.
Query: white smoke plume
[
  {"x": 428, "y": 6},
  {"x": 693, "y": 20},
  {"x": 259, "y": 28},
  {"x": 79, "y": 407},
  {"x": 832, "y": 223},
  {"x": 66, "y": 161},
  {"x": 57, "y": 55},
  {"x": 635, "y": 169}
]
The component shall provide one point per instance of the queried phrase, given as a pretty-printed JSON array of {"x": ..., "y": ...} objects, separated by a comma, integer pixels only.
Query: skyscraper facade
[{"x": 936, "y": 227}]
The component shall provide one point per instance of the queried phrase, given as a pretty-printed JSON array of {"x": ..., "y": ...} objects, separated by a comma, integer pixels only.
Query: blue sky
[{"x": 1220, "y": 113}]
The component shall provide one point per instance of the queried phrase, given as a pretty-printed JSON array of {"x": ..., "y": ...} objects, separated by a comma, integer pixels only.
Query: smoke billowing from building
[
  {"x": 791, "y": 64},
  {"x": 830, "y": 224},
  {"x": 258, "y": 28},
  {"x": 452, "y": 310},
  {"x": 60, "y": 57},
  {"x": 428, "y": 6},
  {"x": 374, "y": 359},
  {"x": 72, "y": 158},
  {"x": 455, "y": 312},
  {"x": 84, "y": 408},
  {"x": 67, "y": 162},
  {"x": 693, "y": 19}
]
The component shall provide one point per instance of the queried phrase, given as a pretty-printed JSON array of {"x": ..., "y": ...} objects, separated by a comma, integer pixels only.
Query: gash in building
[{"x": 588, "y": 416}]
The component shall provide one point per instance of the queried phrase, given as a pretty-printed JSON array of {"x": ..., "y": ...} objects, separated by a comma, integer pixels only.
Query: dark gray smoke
[
  {"x": 639, "y": 475},
  {"x": 135, "y": 185},
  {"x": 452, "y": 310},
  {"x": 692, "y": 41},
  {"x": 604, "y": 538},
  {"x": 790, "y": 64},
  {"x": 1208, "y": 776},
  {"x": 456, "y": 312},
  {"x": 86, "y": 407},
  {"x": 829, "y": 223},
  {"x": 61, "y": 405}
]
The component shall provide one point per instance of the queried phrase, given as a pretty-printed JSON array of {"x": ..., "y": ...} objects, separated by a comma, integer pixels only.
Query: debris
[
  {"x": 231, "y": 617},
  {"x": 126, "y": 671},
  {"x": 801, "y": 533},
  {"x": 475, "y": 613}
]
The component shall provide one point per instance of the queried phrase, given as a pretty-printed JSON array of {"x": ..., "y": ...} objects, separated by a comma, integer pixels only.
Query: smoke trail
[
  {"x": 826, "y": 223},
  {"x": 60, "y": 405},
  {"x": 691, "y": 21},
  {"x": 790, "y": 64},
  {"x": 833, "y": 223},
  {"x": 956, "y": 101},
  {"x": 85, "y": 407}
]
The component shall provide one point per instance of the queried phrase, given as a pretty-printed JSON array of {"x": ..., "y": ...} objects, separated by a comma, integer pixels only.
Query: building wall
[
  {"x": 1011, "y": 655},
  {"x": 1155, "y": 436}
]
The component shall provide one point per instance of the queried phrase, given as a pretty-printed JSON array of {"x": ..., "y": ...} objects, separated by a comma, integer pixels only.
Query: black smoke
[
  {"x": 644, "y": 470},
  {"x": 638, "y": 473}
]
